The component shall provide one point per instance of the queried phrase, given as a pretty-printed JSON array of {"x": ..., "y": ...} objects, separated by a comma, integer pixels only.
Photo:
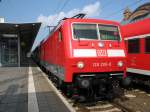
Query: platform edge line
[{"x": 32, "y": 99}]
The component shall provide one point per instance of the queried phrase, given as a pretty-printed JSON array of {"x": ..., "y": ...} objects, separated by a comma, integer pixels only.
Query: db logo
[{"x": 101, "y": 53}]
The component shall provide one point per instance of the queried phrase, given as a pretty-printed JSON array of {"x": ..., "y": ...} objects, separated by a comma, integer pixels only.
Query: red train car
[
  {"x": 85, "y": 55},
  {"x": 137, "y": 39}
]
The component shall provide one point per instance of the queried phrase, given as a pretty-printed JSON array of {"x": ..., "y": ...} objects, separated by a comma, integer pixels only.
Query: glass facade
[
  {"x": 8, "y": 51},
  {"x": 16, "y": 41}
]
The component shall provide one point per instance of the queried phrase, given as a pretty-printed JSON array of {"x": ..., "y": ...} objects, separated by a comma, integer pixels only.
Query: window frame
[
  {"x": 97, "y": 29},
  {"x": 84, "y": 38},
  {"x": 59, "y": 35},
  {"x": 147, "y": 37},
  {"x": 105, "y": 30},
  {"x": 139, "y": 46}
]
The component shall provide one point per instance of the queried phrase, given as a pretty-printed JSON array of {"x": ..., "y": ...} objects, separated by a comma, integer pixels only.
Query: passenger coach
[{"x": 137, "y": 39}]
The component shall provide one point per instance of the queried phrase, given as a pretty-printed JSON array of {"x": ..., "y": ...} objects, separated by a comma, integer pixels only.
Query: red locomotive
[
  {"x": 86, "y": 56},
  {"x": 137, "y": 39}
]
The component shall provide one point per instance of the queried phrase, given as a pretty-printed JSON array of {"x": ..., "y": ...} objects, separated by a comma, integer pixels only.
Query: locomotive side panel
[{"x": 52, "y": 53}]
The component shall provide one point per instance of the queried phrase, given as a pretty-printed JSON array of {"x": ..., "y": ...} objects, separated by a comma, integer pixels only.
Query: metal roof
[{"x": 26, "y": 31}]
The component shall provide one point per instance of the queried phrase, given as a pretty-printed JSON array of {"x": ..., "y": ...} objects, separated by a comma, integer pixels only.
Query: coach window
[
  {"x": 147, "y": 45},
  {"x": 59, "y": 36},
  {"x": 134, "y": 46}
]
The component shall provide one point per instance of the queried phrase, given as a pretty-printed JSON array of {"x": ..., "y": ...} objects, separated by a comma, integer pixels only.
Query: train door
[
  {"x": 59, "y": 54},
  {"x": 59, "y": 47}
]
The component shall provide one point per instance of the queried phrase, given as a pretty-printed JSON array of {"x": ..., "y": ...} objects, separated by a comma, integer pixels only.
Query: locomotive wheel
[{"x": 127, "y": 81}]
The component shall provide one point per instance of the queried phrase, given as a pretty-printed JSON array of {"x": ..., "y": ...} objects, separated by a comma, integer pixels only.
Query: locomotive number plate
[{"x": 102, "y": 64}]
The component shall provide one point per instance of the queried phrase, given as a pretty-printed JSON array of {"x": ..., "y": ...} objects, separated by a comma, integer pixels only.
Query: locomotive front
[{"x": 96, "y": 61}]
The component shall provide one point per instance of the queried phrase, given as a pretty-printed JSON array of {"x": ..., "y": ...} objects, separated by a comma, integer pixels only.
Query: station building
[
  {"x": 139, "y": 13},
  {"x": 16, "y": 41}
]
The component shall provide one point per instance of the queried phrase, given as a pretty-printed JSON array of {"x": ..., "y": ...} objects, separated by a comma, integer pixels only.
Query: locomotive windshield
[
  {"x": 108, "y": 32},
  {"x": 95, "y": 31},
  {"x": 85, "y": 31}
]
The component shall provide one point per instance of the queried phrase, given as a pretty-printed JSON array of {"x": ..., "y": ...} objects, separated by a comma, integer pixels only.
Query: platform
[{"x": 25, "y": 89}]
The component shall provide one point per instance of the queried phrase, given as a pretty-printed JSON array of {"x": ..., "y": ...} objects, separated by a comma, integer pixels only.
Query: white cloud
[{"x": 92, "y": 10}]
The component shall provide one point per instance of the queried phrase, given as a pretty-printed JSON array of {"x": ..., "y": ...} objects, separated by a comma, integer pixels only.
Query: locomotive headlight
[
  {"x": 101, "y": 44},
  {"x": 120, "y": 64},
  {"x": 80, "y": 65}
]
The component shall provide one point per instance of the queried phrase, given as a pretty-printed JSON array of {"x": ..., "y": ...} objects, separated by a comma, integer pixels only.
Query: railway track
[
  {"x": 116, "y": 105},
  {"x": 101, "y": 106}
]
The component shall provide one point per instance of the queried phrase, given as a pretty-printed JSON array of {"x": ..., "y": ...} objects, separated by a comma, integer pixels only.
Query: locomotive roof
[
  {"x": 86, "y": 20},
  {"x": 138, "y": 28},
  {"x": 90, "y": 20}
]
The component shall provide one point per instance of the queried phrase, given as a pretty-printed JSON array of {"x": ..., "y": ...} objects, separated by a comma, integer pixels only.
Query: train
[
  {"x": 84, "y": 57},
  {"x": 137, "y": 40}
]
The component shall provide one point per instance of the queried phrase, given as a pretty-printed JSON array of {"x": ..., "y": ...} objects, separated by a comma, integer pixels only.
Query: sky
[{"x": 49, "y": 12}]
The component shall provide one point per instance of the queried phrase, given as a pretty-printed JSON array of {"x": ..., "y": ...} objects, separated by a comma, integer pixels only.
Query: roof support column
[
  {"x": 0, "y": 56},
  {"x": 19, "y": 50}
]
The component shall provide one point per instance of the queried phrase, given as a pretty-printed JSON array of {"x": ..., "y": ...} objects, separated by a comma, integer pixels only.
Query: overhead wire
[
  {"x": 59, "y": 10},
  {"x": 64, "y": 5}
]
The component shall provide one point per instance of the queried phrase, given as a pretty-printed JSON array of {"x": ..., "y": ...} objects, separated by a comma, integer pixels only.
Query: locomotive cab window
[
  {"x": 85, "y": 31},
  {"x": 147, "y": 45},
  {"x": 59, "y": 36},
  {"x": 134, "y": 46},
  {"x": 109, "y": 32}
]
